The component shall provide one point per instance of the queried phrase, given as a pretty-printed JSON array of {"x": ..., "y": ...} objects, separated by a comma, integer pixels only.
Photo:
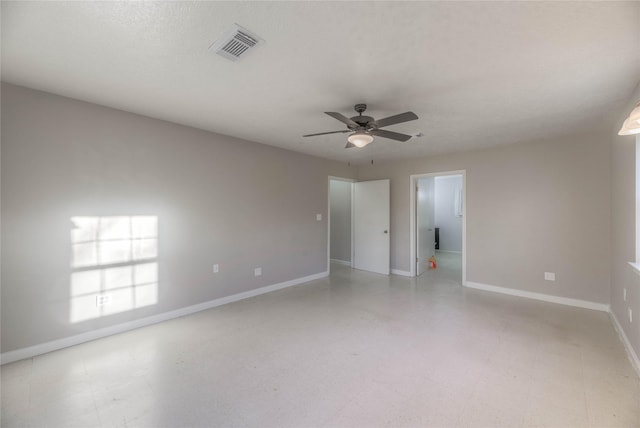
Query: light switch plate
[
  {"x": 257, "y": 271},
  {"x": 318, "y": 217},
  {"x": 550, "y": 276}
]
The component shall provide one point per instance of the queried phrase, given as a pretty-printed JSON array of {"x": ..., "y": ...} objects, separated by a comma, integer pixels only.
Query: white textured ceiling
[{"x": 477, "y": 74}]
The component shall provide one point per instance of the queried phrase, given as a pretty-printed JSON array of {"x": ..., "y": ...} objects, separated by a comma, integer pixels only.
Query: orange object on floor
[{"x": 432, "y": 262}]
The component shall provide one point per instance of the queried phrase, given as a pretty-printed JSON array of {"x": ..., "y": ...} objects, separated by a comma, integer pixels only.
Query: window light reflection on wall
[{"x": 114, "y": 265}]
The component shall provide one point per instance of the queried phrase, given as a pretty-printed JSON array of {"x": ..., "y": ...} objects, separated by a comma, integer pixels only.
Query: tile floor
[{"x": 353, "y": 350}]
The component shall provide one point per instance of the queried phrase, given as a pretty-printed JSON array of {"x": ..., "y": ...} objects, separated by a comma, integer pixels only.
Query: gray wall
[
  {"x": 623, "y": 226},
  {"x": 534, "y": 207},
  {"x": 340, "y": 203},
  {"x": 450, "y": 225},
  {"x": 217, "y": 200}
]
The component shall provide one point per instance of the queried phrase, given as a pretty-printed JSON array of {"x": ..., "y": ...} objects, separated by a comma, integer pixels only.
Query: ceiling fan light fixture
[
  {"x": 360, "y": 139},
  {"x": 631, "y": 126}
]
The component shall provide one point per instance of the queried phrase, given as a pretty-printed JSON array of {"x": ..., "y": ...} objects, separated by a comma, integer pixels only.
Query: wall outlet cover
[
  {"x": 216, "y": 268},
  {"x": 318, "y": 217},
  {"x": 550, "y": 276},
  {"x": 257, "y": 271},
  {"x": 103, "y": 300}
]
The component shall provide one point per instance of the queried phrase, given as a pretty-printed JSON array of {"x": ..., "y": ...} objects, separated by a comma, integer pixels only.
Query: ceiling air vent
[{"x": 235, "y": 43}]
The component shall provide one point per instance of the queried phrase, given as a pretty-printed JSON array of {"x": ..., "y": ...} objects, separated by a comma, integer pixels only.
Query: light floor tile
[{"x": 353, "y": 350}]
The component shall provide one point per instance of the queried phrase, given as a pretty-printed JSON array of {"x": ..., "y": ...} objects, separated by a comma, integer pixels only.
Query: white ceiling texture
[{"x": 478, "y": 74}]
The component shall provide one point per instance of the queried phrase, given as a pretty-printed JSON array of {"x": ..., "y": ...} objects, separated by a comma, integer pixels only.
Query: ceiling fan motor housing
[{"x": 362, "y": 121}]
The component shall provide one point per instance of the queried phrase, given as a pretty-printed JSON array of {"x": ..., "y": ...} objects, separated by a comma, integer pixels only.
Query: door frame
[
  {"x": 413, "y": 182},
  {"x": 348, "y": 180}
]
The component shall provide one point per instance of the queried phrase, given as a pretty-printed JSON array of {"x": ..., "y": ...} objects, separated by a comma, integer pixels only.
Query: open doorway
[
  {"x": 425, "y": 223},
  {"x": 438, "y": 224},
  {"x": 365, "y": 244},
  {"x": 340, "y": 227}
]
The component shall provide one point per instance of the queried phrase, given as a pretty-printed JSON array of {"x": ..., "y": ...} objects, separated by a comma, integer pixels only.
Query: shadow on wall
[{"x": 114, "y": 262}]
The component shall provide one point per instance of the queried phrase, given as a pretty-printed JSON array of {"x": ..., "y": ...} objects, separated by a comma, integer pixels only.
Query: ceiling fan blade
[
  {"x": 349, "y": 146},
  {"x": 389, "y": 134},
  {"x": 398, "y": 118},
  {"x": 325, "y": 133},
  {"x": 341, "y": 118}
]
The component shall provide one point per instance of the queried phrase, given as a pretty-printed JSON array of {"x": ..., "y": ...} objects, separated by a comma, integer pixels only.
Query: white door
[
  {"x": 425, "y": 219},
  {"x": 371, "y": 226}
]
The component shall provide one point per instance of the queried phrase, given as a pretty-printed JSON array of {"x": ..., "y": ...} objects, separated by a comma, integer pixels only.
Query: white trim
[
  {"x": 412, "y": 217},
  {"x": 631, "y": 353},
  {"x": 54, "y": 345},
  {"x": 400, "y": 272},
  {"x": 336, "y": 178},
  {"x": 353, "y": 221},
  {"x": 449, "y": 251},
  {"x": 341, "y": 262},
  {"x": 637, "y": 195},
  {"x": 539, "y": 296},
  {"x": 635, "y": 266}
]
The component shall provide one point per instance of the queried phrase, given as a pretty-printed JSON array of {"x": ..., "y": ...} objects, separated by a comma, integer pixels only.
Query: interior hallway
[{"x": 355, "y": 349}]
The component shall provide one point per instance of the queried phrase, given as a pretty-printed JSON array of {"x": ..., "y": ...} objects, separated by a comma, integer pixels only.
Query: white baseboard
[
  {"x": 539, "y": 296},
  {"x": 54, "y": 345},
  {"x": 400, "y": 272},
  {"x": 633, "y": 357},
  {"x": 341, "y": 262}
]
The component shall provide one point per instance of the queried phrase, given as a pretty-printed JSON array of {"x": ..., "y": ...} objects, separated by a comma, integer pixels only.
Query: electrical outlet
[
  {"x": 318, "y": 217},
  {"x": 550, "y": 276},
  {"x": 624, "y": 294},
  {"x": 630, "y": 315},
  {"x": 103, "y": 300},
  {"x": 216, "y": 268},
  {"x": 257, "y": 271}
]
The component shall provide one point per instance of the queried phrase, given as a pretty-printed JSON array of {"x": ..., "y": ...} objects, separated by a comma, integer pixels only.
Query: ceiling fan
[{"x": 364, "y": 128}]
